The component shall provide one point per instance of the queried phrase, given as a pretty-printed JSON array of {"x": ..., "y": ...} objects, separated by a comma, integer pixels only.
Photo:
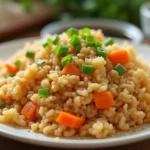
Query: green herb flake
[
  {"x": 43, "y": 92},
  {"x": 120, "y": 69},
  {"x": 17, "y": 63},
  {"x": 55, "y": 39}
]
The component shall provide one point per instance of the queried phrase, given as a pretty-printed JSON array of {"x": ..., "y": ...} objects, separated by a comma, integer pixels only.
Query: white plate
[{"x": 20, "y": 134}]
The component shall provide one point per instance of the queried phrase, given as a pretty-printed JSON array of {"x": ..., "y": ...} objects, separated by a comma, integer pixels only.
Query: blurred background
[{"x": 25, "y": 18}]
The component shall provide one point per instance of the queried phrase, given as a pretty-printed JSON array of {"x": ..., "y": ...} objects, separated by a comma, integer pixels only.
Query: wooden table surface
[{"x": 7, "y": 144}]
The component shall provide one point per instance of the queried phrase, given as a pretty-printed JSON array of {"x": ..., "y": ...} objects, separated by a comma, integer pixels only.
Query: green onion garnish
[
  {"x": 55, "y": 38},
  {"x": 61, "y": 50},
  {"x": 85, "y": 32},
  {"x": 98, "y": 44},
  {"x": 72, "y": 31},
  {"x": 87, "y": 69},
  {"x": 66, "y": 60},
  {"x": 75, "y": 40},
  {"x": 120, "y": 69},
  {"x": 109, "y": 41},
  {"x": 43, "y": 92},
  {"x": 78, "y": 48},
  {"x": 47, "y": 42},
  {"x": 101, "y": 52},
  {"x": 90, "y": 40},
  {"x": 9, "y": 75},
  {"x": 17, "y": 63},
  {"x": 40, "y": 62},
  {"x": 29, "y": 54},
  {"x": 2, "y": 104}
]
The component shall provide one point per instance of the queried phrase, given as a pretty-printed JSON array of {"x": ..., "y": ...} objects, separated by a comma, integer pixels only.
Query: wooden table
[{"x": 8, "y": 144}]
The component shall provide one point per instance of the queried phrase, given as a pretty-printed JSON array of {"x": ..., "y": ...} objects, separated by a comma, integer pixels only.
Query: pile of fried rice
[{"x": 103, "y": 96}]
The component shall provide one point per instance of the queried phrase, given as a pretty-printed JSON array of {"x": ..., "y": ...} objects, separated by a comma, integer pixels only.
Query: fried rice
[{"x": 72, "y": 93}]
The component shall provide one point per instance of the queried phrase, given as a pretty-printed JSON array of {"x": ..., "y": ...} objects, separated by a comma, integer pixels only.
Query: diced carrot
[
  {"x": 103, "y": 100},
  {"x": 70, "y": 120},
  {"x": 71, "y": 70},
  {"x": 119, "y": 56},
  {"x": 29, "y": 111},
  {"x": 11, "y": 67}
]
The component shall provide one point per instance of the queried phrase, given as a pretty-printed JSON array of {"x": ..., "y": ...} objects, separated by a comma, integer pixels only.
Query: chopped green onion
[
  {"x": 55, "y": 38},
  {"x": 120, "y": 69},
  {"x": 72, "y": 31},
  {"x": 75, "y": 40},
  {"x": 66, "y": 60},
  {"x": 43, "y": 92},
  {"x": 47, "y": 42},
  {"x": 9, "y": 75},
  {"x": 40, "y": 62},
  {"x": 101, "y": 52},
  {"x": 98, "y": 44},
  {"x": 2, "y": 104},
  {"x": 61, "y": 50},
  {"x": 85, "y": 32},
  {"x": 29, "y": 54},
  {"x": 90, "y": 40},
  {"x": 87, "y": 69},
  {"x": 17, "y": 63},
  {"x": 109, "y": 41},
  {"x": 78, "y": 48}
]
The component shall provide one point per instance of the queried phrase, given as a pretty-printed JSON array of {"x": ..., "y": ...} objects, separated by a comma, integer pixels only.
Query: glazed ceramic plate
[
  {"x": 109, "y": 27},
  {"x": 23, "y": 135}
]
